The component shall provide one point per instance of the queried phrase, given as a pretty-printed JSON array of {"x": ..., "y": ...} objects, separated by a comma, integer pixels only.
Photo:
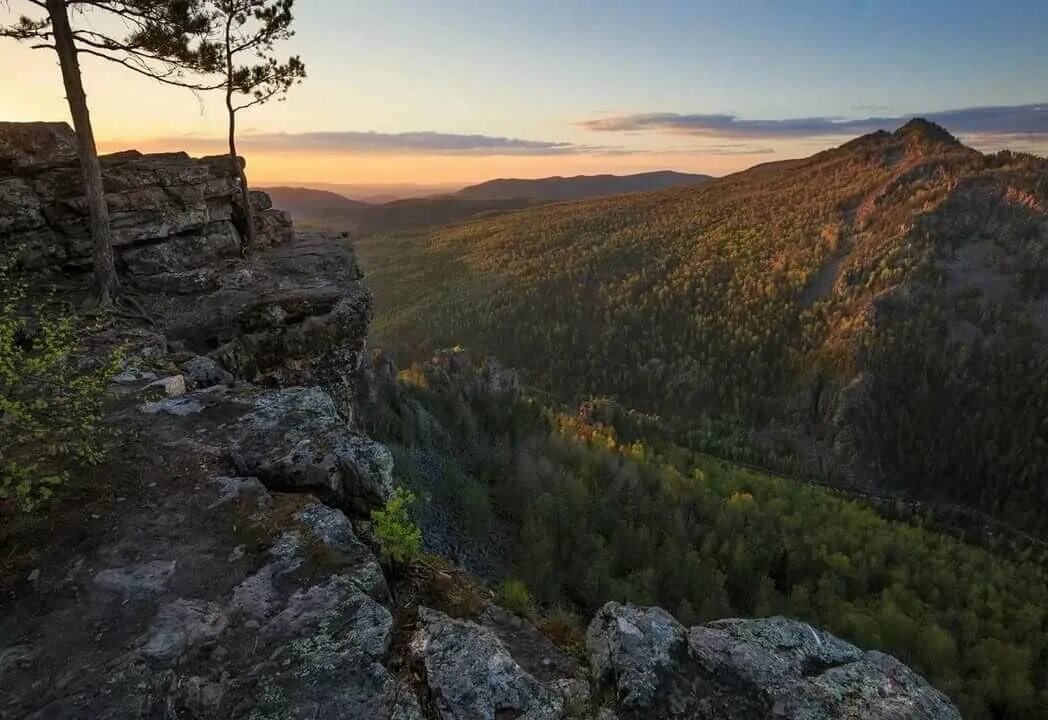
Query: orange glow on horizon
[{"x": 378, "y": 168}]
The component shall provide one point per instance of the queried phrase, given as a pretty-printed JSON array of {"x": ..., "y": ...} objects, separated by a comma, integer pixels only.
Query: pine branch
[{"x": 163, "y": 77}]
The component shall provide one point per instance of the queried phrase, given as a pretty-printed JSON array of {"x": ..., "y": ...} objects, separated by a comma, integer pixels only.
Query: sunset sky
[{"x": 456, "y": 91}]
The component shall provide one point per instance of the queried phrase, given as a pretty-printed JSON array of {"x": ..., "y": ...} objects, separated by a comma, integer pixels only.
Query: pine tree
[
  {"x": 250, "y": 28},
  {"x": 158, "y": 42}
]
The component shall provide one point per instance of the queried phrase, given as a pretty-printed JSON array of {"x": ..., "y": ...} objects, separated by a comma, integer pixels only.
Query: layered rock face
[
  {"x": 293, "y": 312},
  {"x": 169, "y": 212},
  {"x": 229, "y": 571}
]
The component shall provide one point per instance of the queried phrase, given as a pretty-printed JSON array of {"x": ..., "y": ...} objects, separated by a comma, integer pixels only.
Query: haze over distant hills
[
  {"x": 313, "y": 203},
  {"x": 375, "y": 193},
  {"x": 326, "y": 208},
  {"x": 579, "y": 187}
]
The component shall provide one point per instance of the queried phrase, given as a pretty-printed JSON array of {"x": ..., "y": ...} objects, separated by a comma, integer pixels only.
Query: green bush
[
  {"x": 397, "y": 534},
  {"x": 514, "y": 595},
  {"x": 50, "y": 403}
]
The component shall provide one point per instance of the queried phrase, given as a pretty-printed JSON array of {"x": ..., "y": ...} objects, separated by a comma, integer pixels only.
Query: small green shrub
[
  {"x": 50, "y": 404},
  {"x": 514, "y": 595},
  {"x": 397, "y": 534}
]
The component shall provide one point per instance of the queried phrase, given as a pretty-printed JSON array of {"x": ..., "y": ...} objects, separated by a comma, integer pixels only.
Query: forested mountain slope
[{"x": 875, "y": 315}]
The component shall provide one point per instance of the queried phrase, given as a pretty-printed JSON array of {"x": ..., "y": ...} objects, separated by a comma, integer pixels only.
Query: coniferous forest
[{"x": 594, "y": 515}]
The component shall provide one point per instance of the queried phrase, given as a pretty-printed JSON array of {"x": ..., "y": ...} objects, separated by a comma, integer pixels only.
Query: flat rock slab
[
  {"x": 138, "y": 580},
  {"x": 199, "y": 594}
]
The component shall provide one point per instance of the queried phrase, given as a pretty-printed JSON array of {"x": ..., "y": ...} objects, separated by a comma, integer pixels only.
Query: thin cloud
[
  {"x": 1001, "y": 120},
  {"x": 871, "y": 109},
  {"x": 735, "y": 150},
  {"x": 425, "y": 142}
]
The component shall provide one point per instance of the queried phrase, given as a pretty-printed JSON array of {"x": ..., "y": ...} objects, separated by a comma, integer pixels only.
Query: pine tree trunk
[
  {"x": 107, "y": 284},
  {"x": 250, "y": 239}
]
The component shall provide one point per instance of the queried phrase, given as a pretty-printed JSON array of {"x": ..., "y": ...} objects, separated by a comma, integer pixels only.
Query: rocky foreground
[{"x": 224, "y": 568}]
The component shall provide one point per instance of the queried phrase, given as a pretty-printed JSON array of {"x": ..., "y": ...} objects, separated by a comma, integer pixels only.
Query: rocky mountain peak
[{"x": 925, "y": 133}]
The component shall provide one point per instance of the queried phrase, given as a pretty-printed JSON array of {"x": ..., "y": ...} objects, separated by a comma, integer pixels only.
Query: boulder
[
  {"x": 329, "y": 644},
  {"x": 137, "y": 580},
  {"x": 173, "y": 386},
  {"x": 793, "y": 670},
  {"x": 293, "y": 313},
  {"x": 471, "y": 675},
  {"x": 296, "y": 314},
  {"x": 642, "y": 655},
  {"x": 749, "y": 669},
  {"x": 296, "y": 437},
  {"x": 183, "y": 624},
  {"x": 168, "y": 211}
]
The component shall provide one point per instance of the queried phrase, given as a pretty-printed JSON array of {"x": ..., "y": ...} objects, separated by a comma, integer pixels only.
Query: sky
[{"x": 457, "y": 91}]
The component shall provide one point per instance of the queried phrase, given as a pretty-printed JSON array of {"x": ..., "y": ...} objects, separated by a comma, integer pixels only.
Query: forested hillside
[
  {"x": 874, "y": 315},
  {"x": 580, "y": 514}
]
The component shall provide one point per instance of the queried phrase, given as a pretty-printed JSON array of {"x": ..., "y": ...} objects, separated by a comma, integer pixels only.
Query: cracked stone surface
[{"x": 747, "y": 669}]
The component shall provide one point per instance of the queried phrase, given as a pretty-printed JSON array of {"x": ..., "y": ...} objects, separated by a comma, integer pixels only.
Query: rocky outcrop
[
  {"x": 456, "y": 367},
  {"x": 292, "y": 313},
  {"x": 169, "y": 212},
  {"x": 747, "y": 670}
]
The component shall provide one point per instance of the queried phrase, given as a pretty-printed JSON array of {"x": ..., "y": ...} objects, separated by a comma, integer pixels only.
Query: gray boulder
[
  {"x": 471, "y": 675},
  {"x": 296, "y": 436},
  {"x": 181, "y": 625},
  {"x": 173, "y": 386},
  {"x": 787, "y": 669},
  {"x": 331, "y": 642},
  {"x": 169, "y": 213},
  {"x": 749, "y": 669},
  {"x": 24, "y": 146},
  {"x": 642, "y": 655}
]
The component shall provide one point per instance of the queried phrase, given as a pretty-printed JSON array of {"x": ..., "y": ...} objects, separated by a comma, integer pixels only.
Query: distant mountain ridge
[
  {"x": 328, "y": 209},
  {"x": 315, "y": 203},
  {"x": 579, "y": 187}
]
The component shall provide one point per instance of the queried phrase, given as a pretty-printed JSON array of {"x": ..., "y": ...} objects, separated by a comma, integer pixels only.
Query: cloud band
[{"x": 997, "y": 120}]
